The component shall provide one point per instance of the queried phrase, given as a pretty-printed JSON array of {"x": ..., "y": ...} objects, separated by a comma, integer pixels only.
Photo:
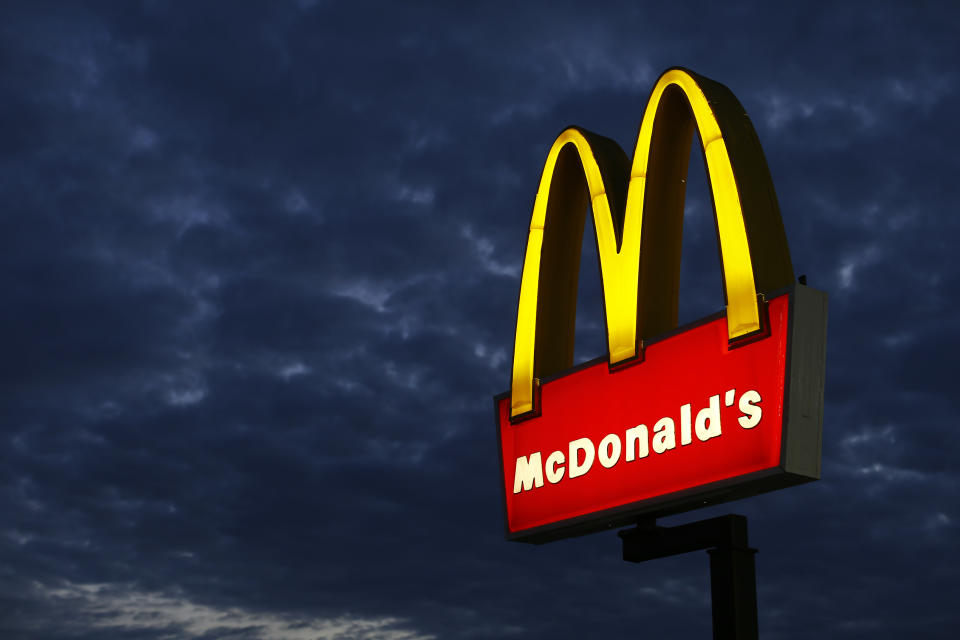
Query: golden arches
[{"x": 637, "y": 214}]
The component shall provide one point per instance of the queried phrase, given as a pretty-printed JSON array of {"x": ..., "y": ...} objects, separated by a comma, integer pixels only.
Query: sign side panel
[{"x": 807, "y": 368}]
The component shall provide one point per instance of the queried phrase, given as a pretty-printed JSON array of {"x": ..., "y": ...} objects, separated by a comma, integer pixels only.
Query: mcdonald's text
[{"x": 636, "y": 442}]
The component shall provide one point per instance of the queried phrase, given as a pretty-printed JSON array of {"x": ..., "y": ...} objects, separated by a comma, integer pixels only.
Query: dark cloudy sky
[{"x": 259, "y": 270}]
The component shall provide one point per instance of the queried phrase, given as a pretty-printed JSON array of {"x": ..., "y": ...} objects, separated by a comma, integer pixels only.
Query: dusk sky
[{"x": 260, "y": 264}]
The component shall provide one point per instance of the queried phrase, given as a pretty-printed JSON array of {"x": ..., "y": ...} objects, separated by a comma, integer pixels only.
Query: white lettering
[
  {"x": 637, "y": 443},
  {"x": 577, "y": 468},
  {"x": 751, "y": 412},
  {"x": 529, "y": 473},
  {"x": 708, "y": 420},
  {"x": 554, "y": 467},
  {"x": 609, "y": 450},
  {"x": 583, "y": 452},
  {"x": 685, "y": 424},
  {"x": 664, "y": 436}
]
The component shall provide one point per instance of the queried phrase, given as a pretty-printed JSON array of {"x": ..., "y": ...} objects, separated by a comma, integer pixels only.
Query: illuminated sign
[{"x": 671, "y": 419}]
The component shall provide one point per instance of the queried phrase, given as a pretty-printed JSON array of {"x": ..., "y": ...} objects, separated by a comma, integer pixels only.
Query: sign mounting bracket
[{"x": 733, "y": 582}]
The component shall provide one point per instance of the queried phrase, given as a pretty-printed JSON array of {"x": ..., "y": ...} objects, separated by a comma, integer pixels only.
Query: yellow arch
[{"x": 640, "y": 274}]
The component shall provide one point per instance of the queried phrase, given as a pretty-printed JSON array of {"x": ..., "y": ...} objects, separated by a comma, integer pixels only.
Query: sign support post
[{"x": 733, "y": 582}]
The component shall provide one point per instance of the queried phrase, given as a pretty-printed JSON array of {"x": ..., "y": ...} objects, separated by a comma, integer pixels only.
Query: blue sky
[{"x": 259, "y": 271}]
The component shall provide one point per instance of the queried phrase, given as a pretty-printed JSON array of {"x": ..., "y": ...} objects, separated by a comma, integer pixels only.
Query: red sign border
[{"x": 800, "y": 446}]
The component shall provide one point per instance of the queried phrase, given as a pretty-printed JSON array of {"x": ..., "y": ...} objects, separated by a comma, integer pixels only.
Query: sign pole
[{"x": 733, "y": 581}]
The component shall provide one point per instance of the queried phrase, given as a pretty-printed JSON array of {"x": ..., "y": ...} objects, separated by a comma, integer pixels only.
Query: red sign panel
[{"x": 696, "y": 421}]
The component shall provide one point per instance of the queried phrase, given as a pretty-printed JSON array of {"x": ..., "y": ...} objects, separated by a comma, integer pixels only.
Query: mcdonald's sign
[{"x": 672, "y": 418}]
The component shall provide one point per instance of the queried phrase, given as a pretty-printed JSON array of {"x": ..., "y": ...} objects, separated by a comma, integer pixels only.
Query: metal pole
[{"x": 733, "y": 590}]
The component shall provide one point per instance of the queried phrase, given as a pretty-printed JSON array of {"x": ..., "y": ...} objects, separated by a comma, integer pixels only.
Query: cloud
[{"x": 121, "y": 608}]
